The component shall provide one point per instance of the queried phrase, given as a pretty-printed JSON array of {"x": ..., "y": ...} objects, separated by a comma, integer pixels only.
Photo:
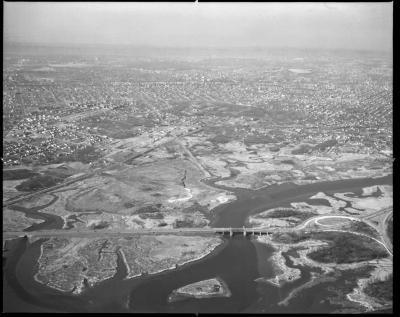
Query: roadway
[
  {"x": 380, "y": 228},
  {"x": 383, "y": 230},
  {"x": 382, "y": 216},
  {"x": 385, "y": 242},
  {"x": 112, "y": 233}
]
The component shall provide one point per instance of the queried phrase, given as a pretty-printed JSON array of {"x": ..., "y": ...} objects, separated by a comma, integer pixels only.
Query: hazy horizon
[{"x": 326, "y": 26}]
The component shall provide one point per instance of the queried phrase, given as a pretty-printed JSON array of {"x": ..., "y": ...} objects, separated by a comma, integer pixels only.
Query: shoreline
[
  {"x": 288, "y": 274},
  {"x": 315, "y": 280},
  {"x": 306, "y": 182},
  {"x": 357, "y": 295},
  {"x": 78, "y": 290},
  {"x": 234, "y": 186},
  {"x": 208, "y": 253},
  {"x": 177, "y": 295}
]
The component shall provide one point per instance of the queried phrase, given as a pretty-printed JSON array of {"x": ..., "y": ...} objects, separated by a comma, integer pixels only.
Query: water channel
[{"x": 239, "y": 261}]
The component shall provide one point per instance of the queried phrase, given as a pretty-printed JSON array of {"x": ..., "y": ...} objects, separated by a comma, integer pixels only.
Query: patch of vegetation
[
  {"x": 157, "y": 215},
  {"x": 310, "y": 177},
  {"x": 220, "y": 138},
  {"x": 346, "y": 248},
  {"x": 123, "y": 134},
  {"x": 338, "y": 292},
  {"x": 303, "y": 149},
  {"x": 390, "y": 230},
  {"x": 48, "y": 179},
  {"x": 186, "y": 223},
  {"x": 17, "y": 174},
  {"x": 257, "y": 139},
  {"x": 190, "y": 253},
  {"x": 274, "y": 149},
  {"x": 343, "y": 247},
  {"x": 290, "y": 237},
  {"x": 59, "y": 172},
  {"x": 326, "y": 144},
  {"x": 288, "y": 162},
  {"x": 362, "y": 227},
  {"x": 283, "y": 213},
  {"x": 148, "y": 209},
  {"x": 317, "y": 201},
  {"x": 195, "y": 207},
  {"x": 171, "y": 148},
  {"x": 129, "y": 204},
  {"x": 101, "y": 225},
  {"x": 39, "y": 182},
  {"x": 381, "y": 290}
]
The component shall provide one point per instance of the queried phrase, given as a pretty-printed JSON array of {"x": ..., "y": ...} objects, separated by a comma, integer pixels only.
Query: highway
[
  {"x": 207, "y": 230},
  {"x": 385, "y": 242},
  {"x": 383, "y": 231},
  {"x": 119, "y": 233},
  {"x": 381, "y": 228}
]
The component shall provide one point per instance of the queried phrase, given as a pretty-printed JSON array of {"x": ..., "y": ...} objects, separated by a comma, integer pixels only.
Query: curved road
[{"x": 381, "y": 229}]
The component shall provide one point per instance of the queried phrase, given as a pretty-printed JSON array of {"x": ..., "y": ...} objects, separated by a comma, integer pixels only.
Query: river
[{"x": 239, "y": 262}]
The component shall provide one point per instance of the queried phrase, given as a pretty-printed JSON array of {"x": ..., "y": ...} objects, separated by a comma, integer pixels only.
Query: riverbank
[
  {"x": 283, "y": 272},
  {"x": 315, "y": 280},
  {"x": 381, "y": 271},
  {"x": 383, "y": 267},
  {"x": 68, "y": 264},
  {"x": 210, "y": 251}
]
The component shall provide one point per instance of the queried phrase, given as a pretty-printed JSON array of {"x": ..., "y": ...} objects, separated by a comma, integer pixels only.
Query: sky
[{"x": 364, "y": 26}]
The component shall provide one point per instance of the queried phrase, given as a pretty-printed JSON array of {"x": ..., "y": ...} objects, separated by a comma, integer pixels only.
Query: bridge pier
[
  {"x": 230, "y": 232},
  {"x": 244, "y": 231}
]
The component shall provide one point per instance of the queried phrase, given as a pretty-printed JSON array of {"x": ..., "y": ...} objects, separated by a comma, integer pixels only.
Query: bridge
[
  {"x": 188, "y": 231},
  {"x": 385, "y": 242},
  {"x": 93, "y": 233}
]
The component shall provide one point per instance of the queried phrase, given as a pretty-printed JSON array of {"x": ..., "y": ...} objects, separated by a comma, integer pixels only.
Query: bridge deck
[{"x": 76, "y": 233}]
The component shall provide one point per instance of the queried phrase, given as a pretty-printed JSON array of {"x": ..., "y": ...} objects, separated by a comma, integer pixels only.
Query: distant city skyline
[{"x": 353, "y": 26}]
